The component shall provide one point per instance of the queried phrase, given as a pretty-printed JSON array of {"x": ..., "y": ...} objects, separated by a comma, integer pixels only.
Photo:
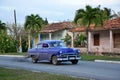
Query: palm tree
[
  {"x": 87, "y": 17},
  {"x": 108, "y": 13},
  {"x": 33, "y": 25},
  {"x": 103, "y": 14}
]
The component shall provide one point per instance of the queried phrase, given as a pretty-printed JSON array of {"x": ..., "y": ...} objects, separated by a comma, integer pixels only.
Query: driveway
[{"x": 84, "y": 69}]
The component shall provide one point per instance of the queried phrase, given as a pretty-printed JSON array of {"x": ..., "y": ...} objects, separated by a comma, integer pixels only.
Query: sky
[{"x": 53, "y": 10}]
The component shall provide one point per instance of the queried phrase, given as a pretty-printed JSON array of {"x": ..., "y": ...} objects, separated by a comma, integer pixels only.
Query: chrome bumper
[{"x": 68, "y": 58}]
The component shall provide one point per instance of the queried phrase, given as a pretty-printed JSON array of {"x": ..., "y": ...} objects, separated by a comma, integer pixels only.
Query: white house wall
[
  {"x": 54, "y": 35},
  {"x": 58, "y": 35}
]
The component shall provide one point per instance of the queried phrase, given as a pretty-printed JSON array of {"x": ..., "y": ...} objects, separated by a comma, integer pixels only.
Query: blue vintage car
[{"x": 54, "y": 51}]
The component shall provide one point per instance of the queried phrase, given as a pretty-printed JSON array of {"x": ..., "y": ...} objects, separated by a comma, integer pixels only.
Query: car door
[
  {"x": 39, "y": 50},
  {"x": 45, "y": 51}
]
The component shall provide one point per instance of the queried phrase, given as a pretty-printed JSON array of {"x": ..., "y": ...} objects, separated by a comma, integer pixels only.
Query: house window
[
  {"x": 96, "y": 39},
  {"x": 117, "y": 40}
]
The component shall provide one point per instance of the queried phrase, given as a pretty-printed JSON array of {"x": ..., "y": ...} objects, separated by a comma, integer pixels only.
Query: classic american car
[{"x": 54, "y": 51}]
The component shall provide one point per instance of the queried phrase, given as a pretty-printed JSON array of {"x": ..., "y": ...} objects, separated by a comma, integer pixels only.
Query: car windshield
[{"x": 57, "y": 44}]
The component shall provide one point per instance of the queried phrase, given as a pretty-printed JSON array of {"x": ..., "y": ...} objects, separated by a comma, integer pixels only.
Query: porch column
[
  {"x": 50, "y": 36},
  {"x": 72, "y": 38},
  {"x": 89, "y": 41},
  {"x": 111, "y": 40}
]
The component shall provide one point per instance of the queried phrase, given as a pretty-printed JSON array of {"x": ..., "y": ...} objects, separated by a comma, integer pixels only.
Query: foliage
[
  {"x": 33, "y": 24},
  {"x": 67, "y": 39},
  {"x": 80, "y": 40},
  {"x": 16, "y": 32},
  {"x": 2, "y": 27},
  {"x": 45, "y": 22},
  {"x": 7, "y": 44}
]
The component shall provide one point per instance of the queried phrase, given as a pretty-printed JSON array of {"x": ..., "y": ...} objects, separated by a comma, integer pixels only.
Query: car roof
[{"x": 49, "y": 41}]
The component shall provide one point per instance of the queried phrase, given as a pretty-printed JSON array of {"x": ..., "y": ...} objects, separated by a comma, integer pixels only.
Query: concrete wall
[
  {"x": 54, "y": 36},
  {"x": 104, "y": 42},
  {"x": 104, "y": 45},
  {"x": 116, "y": 50},
  {"x": 58, "y": 35}
]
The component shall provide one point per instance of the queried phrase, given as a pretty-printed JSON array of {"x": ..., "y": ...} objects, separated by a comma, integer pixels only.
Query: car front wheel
[
  {"x": 74, "y": 61},
  {"x": 54, "y": 60}
]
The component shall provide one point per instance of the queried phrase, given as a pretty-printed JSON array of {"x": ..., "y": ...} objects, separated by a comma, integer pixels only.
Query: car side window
[
  {"x": 45, "y": 45},
  {"x": 39, "y": 46}
]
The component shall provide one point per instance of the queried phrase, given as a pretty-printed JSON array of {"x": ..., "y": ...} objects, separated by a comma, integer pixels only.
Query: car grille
[{"x": 68, "y": 55}]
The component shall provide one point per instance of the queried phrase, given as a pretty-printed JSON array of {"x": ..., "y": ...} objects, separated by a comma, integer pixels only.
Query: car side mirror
[{"x": 45, "y": 46}]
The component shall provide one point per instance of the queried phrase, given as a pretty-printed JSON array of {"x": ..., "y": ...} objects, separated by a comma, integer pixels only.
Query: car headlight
[
  {"x": 60, "y": 52},
  {"x": 78, "y": 51}
]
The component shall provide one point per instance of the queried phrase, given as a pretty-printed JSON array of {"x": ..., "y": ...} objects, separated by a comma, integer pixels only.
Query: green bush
[{"x": 7, "y": 44}]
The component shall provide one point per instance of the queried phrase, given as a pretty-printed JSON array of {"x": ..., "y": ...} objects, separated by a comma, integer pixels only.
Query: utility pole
[
  {"x": 20, "y": 47},
  {"x": 15, "y": 18}
]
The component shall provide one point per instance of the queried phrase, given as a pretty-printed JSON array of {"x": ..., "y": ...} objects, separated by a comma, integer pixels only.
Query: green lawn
[
  {"x": 24, "y": 53},
  {"x": 16, "y": 74},
  {"x": 93, "y": 57}
]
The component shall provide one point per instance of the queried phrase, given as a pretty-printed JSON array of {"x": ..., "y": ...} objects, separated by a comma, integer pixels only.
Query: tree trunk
[
  {"x": 20, "y": 47},
  {"x": 29, "y": 41},
  {"x": 87, "y": 36}
]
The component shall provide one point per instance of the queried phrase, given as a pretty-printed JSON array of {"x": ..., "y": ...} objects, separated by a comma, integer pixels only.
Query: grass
[
  {"x": 13, "y": 53},
  {"x": 89, "y": 57},
  {"x": 16, "y": 74}
]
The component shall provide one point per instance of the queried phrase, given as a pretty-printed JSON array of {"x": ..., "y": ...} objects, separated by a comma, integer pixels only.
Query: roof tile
[
  {"x": 57, "y": 26},
  {"x": 108, "y": 24}
]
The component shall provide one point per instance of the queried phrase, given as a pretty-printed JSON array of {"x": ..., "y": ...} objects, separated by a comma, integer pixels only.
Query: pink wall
[{"x": 104, "y": 42}]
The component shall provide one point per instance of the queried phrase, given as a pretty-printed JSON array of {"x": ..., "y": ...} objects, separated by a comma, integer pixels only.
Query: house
[
  {"x": 54, "y": 31},
  {"x": 105, "y": 39},
  {"x": 74, "y": 32}
]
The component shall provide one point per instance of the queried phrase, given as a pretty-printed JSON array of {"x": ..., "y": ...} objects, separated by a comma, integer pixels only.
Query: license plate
[{"x": 71, "y": 58}]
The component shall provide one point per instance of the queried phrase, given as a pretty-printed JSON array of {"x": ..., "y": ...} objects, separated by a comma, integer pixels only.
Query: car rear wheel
[
  {"x": 74, "y": 61},
  {"x": 34, "y": 59},
  {"x": 54, "y": 60}
]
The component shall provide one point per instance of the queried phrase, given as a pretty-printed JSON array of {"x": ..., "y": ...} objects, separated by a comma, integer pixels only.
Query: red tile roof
[
  {"x": 114, "y": 23},
  {"x": 56, "y": 27},
  {"x": 109, "y": 24},
  {"x": 77, "y": 29}
]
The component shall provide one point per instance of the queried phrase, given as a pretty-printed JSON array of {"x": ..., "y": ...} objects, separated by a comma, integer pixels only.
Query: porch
[{"x": 104, "y": 41}]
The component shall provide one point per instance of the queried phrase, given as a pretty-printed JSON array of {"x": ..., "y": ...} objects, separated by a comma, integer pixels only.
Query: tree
[
  {"x": 80, "y": 40},
  {"x": 7, "y": 44},
  {"x": 67, "y": 40},
  {"x": 115, "y": 15},
  {"x": 33, "y": 25},
  {"x": 89, "y": 16},
  {"x": 15, "y": 32},
  {"x": 108, "y": 13},
  {"x": 102, "y": 15},
  {"x": 45, "y": 21},
  {"x": 2, "y": 27}
]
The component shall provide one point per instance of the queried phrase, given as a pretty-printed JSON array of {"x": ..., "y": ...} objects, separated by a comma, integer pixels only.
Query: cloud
[{"x": 54, "y": 10}]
